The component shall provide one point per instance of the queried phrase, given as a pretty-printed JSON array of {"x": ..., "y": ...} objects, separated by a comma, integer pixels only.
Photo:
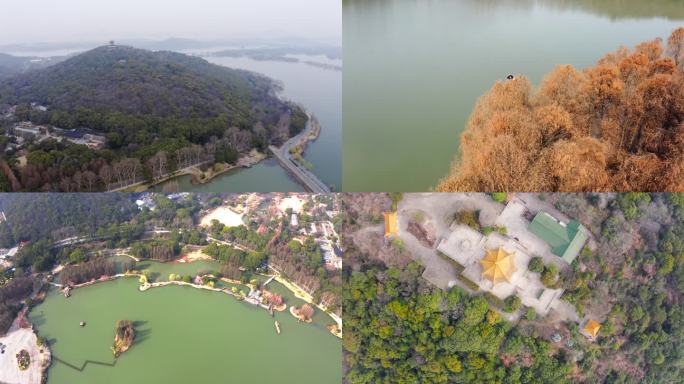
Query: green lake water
[
  {"x": 413, "y": 70},
  {"x": 183, "y": 334},
  {"x": 266, "y": 176}
]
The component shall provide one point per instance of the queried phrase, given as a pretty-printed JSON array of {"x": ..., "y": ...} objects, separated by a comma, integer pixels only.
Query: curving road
[{"x": 305, "y": 177}]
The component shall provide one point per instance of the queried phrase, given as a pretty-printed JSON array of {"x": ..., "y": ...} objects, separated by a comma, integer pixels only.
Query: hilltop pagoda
[{"x": 498, "y": 265}]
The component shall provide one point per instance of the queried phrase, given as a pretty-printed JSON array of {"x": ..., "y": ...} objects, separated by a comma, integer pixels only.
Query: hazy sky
[{"x": 86, "y": 20}]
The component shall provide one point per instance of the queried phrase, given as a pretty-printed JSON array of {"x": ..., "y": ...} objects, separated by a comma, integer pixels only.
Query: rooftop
[
  {"x": 498, "y": 265},
  {"x": 566, "y": 240},
  {"x": 592, "y": 328},
  {"x": 391, "y": 224}
]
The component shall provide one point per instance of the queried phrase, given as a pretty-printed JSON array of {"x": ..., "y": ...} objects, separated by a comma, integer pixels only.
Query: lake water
[
  {"x": 183, "y": 335},
  {"x": 320, "y": 92},
  {"x": 266, "y": 176},
  {"x": 413, "y": 70}
]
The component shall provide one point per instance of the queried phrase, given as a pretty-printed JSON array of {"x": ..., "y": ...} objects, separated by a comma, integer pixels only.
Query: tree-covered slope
[
  {"x": 142, "y": 83},
  {"x": 159, "y": 112},
  {"x": 49, "y": 215},
  {"x": 617, "y": 126}
]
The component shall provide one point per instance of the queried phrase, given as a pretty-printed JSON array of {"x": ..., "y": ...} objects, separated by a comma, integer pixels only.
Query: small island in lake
[
  {"x": 125, "y": 334},
  {"x": 304, "y": 313}
]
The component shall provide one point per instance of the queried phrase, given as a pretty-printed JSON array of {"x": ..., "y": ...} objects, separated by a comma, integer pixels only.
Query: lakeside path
[
  {"x": 296, "y": 290},
  {"x": 303, "y": 295},
  {"x": 245, "y": 161},
  {"x": 302, "y": 175}
]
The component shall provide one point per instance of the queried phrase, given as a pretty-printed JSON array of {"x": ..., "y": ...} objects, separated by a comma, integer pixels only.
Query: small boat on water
[{"x": 277, "y": 325}]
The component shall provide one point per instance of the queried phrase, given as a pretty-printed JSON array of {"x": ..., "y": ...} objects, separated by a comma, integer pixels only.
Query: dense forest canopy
[
  {"x": 133, "y": 82},
  {"x": 401, "y": 329},
  {"x": 31, "y": 217},
  {"x": 618, "y": 126}
]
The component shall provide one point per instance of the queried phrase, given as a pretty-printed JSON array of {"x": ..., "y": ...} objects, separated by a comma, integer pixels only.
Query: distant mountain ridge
[{"x": 12, "y": 65}]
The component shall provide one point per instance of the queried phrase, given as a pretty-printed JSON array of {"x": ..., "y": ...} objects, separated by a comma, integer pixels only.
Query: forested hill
[
  {"x": 159, "y": 111},
  {"x": 10, "y": 65},
  {"x": 141, "y": 83}
]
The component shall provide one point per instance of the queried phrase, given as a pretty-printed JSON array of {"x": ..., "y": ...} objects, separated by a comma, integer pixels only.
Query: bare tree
[
  {"x": 675, "y": 45},
  {"x": 66, "y": 184},
  {"x": 127, "y": 171},
  {"x": 78, "y": 180},
  {"x": 184, "y": 157},
  {"x": 617, "y": 126},
  {"x": 158, "y": 164},
  {"x": 238, "y": 139},
  {"x": 197, "y": 153},
  {"x": 89, "y": 180},
  {"x": 106, "y": 175}
]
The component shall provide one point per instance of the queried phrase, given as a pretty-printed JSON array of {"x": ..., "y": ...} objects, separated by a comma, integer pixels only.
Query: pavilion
[{"x": 391, "y": 224}]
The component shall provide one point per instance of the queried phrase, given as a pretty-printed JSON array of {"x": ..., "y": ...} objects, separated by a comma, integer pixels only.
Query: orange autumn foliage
[{"x": 618, "y": 126}]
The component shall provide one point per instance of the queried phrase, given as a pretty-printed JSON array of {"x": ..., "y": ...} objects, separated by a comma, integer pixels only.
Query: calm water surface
[
  {"x": 414, "y": 70},
  {"x": 266, "y": 176},
  {"x": 183, "y": 335}
]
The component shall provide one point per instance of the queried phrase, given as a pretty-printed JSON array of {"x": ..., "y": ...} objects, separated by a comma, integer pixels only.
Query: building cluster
[
  {"x": 328, "y": 241},
  {"x": 6, "y": 255},
  {"x": 322, "y": 229},
  {"x": 25, "y": 132},
  {"x": 146, "y": 200},
  {"x": 496, "y": 262}
]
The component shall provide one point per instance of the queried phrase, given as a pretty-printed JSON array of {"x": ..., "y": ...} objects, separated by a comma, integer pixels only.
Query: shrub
[
  {"x": 536, "y": 265},
  {"x": 499, "y": 197},
  {"x": 512, "y": 304},
  {"x": 549, "y": 276},
  {"x": 469, "y": 218}
]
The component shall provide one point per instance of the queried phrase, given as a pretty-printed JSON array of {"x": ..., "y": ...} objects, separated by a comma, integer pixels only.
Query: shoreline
[
  {"x": 245, "y": 161},
  {"x": 198, "y": 177},
  {"x": 296, "y": 290},
  {"x": 305, "y": 296}
]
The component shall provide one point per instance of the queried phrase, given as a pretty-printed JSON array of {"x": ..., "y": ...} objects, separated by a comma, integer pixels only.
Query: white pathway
[{"x": 16, "y": 340}]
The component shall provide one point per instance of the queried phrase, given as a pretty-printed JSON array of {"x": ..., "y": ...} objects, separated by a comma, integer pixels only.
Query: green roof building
[{"x": 566, "y": 240}]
